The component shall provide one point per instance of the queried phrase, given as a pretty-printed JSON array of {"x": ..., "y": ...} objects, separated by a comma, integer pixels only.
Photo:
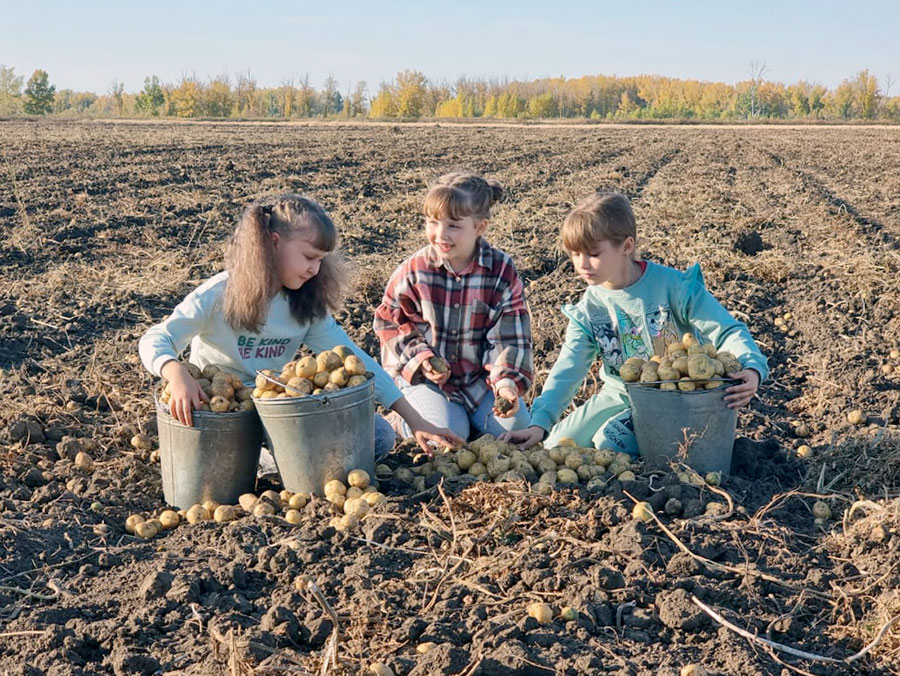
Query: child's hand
[
  {"x": 741, "y": 394},
  {"x": 431, "y": 374},
  {"x": 524, "y": 438},
  {"x": 186, "y": 393},
  {"x": 429, "y": 435},
  {"x": 506, "y": 402}
]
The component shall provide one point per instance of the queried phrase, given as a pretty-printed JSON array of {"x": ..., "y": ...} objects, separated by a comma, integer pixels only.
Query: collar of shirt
[{"x": 483, "y": 258}]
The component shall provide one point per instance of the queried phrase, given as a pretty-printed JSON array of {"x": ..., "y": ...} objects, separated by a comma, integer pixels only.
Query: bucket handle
[{"x": 322, "y": 400}]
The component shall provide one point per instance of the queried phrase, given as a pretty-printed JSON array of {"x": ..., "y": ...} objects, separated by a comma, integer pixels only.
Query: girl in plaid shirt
[{"x": 454, "y": 328}]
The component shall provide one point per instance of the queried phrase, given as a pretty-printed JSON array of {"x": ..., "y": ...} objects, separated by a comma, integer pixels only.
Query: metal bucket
[
  {"x": 216, "y": 459},
  {"x": 318, "y": 438},
  {"x": 663, "y": 417}
]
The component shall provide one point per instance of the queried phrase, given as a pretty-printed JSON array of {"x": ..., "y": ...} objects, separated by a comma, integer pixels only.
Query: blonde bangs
[{"x": 444, "y": 201}]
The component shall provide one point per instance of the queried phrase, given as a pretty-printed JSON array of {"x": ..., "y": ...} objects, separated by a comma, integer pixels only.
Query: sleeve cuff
[
  {"x": 410, "y": 368},
  {"x": 506, "y": 382},
  {"x": 161, "y": 361}
]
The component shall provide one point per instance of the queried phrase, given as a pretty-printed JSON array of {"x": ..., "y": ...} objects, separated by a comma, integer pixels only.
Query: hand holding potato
[
  {"x": 506, "y": 402},
  {"x": 741, "y": 394},
  {"x": 186, "y": 393},
  {"x": 434, "y": 375}
]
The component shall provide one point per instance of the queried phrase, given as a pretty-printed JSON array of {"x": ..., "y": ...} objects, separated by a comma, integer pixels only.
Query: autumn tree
[
  {"x": 151, "y": 98},
  {"x": 10, "y": 91},
  {"x": 410, "y": 95},
  {"x": 39, "y": 94}
]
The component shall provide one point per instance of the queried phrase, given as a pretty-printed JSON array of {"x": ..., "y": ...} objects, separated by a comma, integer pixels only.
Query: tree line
[{"x": 411, "y": 95}]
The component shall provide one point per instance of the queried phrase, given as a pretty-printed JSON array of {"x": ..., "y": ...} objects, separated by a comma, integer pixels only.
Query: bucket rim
[
  {"x": 321, "y": 398},
  {"x": 654, "y": 386},
  {"x": 203, "y": 415}
]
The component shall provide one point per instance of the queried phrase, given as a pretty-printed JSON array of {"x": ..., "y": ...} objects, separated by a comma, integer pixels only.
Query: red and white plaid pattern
[{"x": 476, "y": 320}]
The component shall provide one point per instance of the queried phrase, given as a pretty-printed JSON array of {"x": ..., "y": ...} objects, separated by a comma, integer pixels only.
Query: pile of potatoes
[
  {"x": 353, "y": 500},
  {"x": 268, "y": 503},
  {"x": 489, "y": 459},
  {"x": 328, "y": 371},
  {"x": 686, "y": 366},
  {"x": 226, "y": 392}
]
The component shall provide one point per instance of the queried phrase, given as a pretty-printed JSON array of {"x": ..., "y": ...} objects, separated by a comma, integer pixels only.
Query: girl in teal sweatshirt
[{"x": 631, "y": 308}]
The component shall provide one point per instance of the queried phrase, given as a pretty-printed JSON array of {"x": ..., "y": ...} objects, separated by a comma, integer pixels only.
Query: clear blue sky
[{"x": 86, "y": 45}]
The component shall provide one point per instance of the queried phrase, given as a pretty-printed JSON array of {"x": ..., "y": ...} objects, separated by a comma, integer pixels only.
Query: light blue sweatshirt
[
  {"x": 198, "y": 320},
  {"x": 638, "y": 321}
]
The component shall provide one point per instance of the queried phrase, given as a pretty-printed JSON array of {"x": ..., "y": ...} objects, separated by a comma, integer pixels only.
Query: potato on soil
[
  {"x": 298, "y": 501},
  {"x": 568, "y": 614},
  {"x": 146, "y": 530},
  {"x": 375, "y": 498},
  {"x": 821, "y": 510},
  {"x": 132, "y": 521},
  {"x": 693, "y": 670},
  {"x": 293, "y": 517},
  {"x": 225, "y": 514},
  {"x": 198, "y": 513},
  {"x": 141, "y": 442},
  {"x": 348, "y": 522},
  {"x": 856, "y": 417},
  {"x": 541, "y": 612},
  {"x": 84, "y": 461},
  {"x": 380, "y": 669},
  {"x": 210, "y": 505},
  {"x": 359, "y": 478},
  {"x": 263, "y": 508},
  {"x": 642, "y": 511},
  {"x": 627, "y": 475},
  {"x": 169, "y": 519},
  {"x": 247, "y": 501}
]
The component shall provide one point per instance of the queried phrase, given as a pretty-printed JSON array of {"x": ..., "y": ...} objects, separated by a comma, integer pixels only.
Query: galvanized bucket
[
  {"x": 662, "y": 418},
  {"x": 215, "y": 459},
  {"x": 318, "y": 438}
]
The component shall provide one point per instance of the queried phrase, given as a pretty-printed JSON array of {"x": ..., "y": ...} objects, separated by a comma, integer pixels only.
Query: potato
[
  {"x": 426, "y": 647},
  {"x": 710, "y": 350},
  {"x": 584, "y": 472},
  {"x": 498, "y": 466},
  {"x": 354, "y": 366},
  {"x": 567, "y": 442},
  {"x": 194, "y": 371},
  {"x": 574, "y": 460},
  {"x": 328, "y": 360},
  {"x": 292, "y": 516},
  {"x": 604, "y": 457},
  {"x": 380, "y": 669},
  {"x": 804, "y": 452},
  {"x": 649, "y": 374},
  {"x": 642, "y": 511},
  {"x": 404, "y": 475},
  {"x": 713, "y": 384},
  {"x": 689, "y": 339},
  {"x": 169, "y": 519},
  {"x": 219, "y": 404},
  {"x": 263, "y": 381},
  {"x": 321, "y": 379},
  {"x": 306, "y": 367},
  {"x": 357, "y": 506},
  {"x": 693, "y": 670},
  {"x": 247, "y": 501},
  {"x": 673, "y": 507},
  {"x": 542, "y": 488},
  {"x": 358, "y": 478},
  {"x": 84, "y": 461},
  {"x": 375, "y": 498},
  {"x": 348, "y": 522},
  {"x": 198, "y": 513},
  {"x": 146, "y": 530},
  {"x": 465, "y": 459},
  {"x": 634, "y": 361},
  {"x": 626, "y": 475},
  {"x": 337, "y": 500},
  {"x": 541, "y": 612},
  {"x": 209, "y": 371},
  {"x": 821, "y": 510},
  {"x": 133, "y": 521},
  {"x": 681, "y": 365},
  {"x": 478, "y": 468},
  {"x": 668, "y": 385},
  {"x": 567, "y": 476},
  {"x": 225, "y": 513},
  {"x": 298, "y": 386},
  {"x": 713, "y": 478},
  {"x": 656, "y": 359},
  {"x": 558, "y": 454},
  {"x": 700, "y": 367},
  {"x": 335, "y": 487},
  {"x": 338, "y": 376},
  {"x": 719, "y": 368},
  {"x": 857, "y": 417},
  {"x": 210, "y": 505},
  {"x": 220, "y": 388},
  {"x": 667, "y": 362},
  {"x": 263, "y": 508},
  {"x": 630, "y": 373},
  {"x": 141, "y": 442},
  {"x": 686, "y": 385},
  {"x": 354, "y": 381},
  {"x": 675, "y": 349},
  {"x": 696, "y": 348},
  {"x": 549, "y": 478},
  {"x": 668, "y": 373},
  {"x": 353, "y": 492},
  {"x": 298, "y": 501},
  {"x": 568, "y": 614},
  {"x": 342, "y": 351},
  {"x": 246, "y": 405}
]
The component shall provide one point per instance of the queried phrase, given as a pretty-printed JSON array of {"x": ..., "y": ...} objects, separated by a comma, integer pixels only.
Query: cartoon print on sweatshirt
[
  {"x": 661, "y": 328},
  {"x": 606, "y": 338},
  {"x": 633, "y": 344}
]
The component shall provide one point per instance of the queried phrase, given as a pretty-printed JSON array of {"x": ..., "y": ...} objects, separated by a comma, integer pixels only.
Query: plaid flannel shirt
[{"x": 476, "y": 320}]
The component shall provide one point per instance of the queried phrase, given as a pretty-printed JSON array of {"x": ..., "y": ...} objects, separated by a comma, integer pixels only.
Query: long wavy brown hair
[{"x": 252, "y": 264}]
